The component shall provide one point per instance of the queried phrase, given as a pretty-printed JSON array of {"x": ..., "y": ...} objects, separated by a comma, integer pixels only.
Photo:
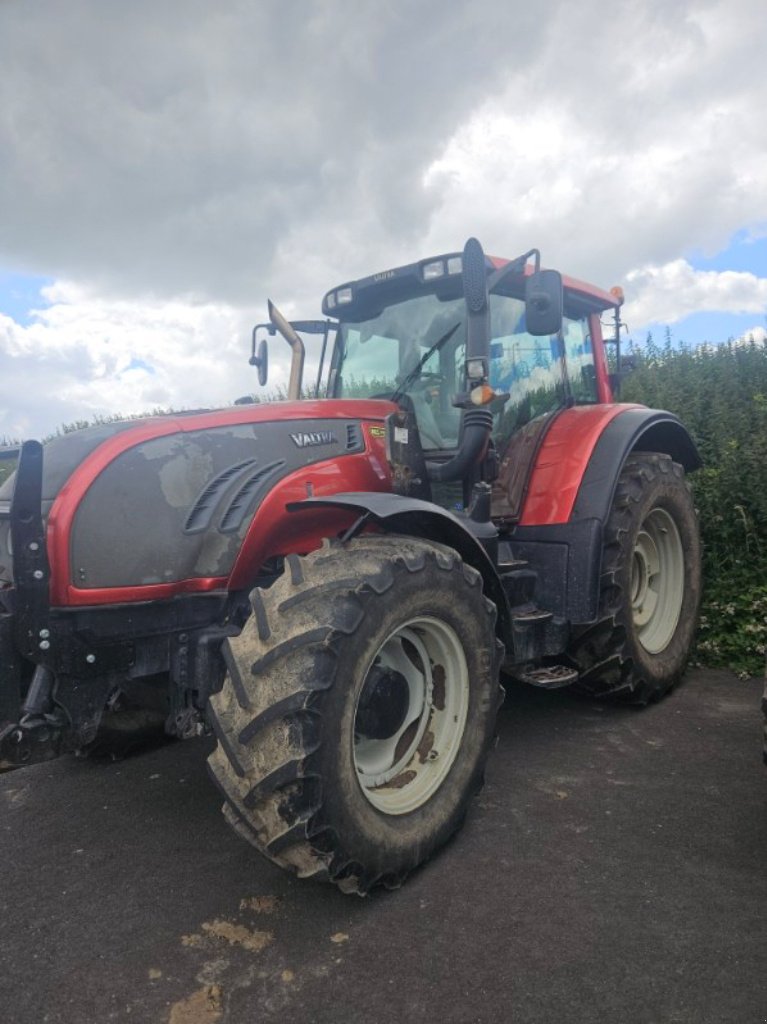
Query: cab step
[
  {"x": 512, "y": 565},
  {"x": 548, "y": 677},
  {"x": 519, "y": 585}
]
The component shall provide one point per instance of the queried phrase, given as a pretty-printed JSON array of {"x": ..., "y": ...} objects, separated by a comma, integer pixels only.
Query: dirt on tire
[
  {"x": 285, "y": 717},
  {"x": 610, "y": 656}
]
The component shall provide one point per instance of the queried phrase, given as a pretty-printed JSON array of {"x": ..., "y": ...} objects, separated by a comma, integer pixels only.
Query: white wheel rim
[
  {"x": 657, "y": 581},
  {"x": 401, "y": 767}
]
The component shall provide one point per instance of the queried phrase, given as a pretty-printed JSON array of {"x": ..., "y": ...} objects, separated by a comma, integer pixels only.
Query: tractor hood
[{"x": 170, "y": 499}]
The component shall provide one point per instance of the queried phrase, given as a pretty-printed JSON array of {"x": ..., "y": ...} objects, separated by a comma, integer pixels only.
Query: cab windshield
[{"x": 374, "y": 357}]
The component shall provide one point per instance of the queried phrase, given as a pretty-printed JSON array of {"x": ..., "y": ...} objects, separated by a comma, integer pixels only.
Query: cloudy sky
[{"x": 166, "y": 166}]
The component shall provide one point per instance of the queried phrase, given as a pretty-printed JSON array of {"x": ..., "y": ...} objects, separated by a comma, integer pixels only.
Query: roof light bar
[{"x": 432, "y": 270}]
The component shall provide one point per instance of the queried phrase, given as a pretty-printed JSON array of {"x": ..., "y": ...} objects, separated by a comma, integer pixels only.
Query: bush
[{"x": 720, "y": 394}]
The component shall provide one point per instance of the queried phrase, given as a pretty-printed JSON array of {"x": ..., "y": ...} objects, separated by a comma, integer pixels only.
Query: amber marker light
[
  {"x": 483, "y": 394},
  {"x": 617, "y": 293}
]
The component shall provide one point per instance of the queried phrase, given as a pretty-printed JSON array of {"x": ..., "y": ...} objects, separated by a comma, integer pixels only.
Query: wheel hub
[
  {"x": 657, "y": 580},
  {"x": 410, "y": 715},
  {"x": 383, "y": 704}
]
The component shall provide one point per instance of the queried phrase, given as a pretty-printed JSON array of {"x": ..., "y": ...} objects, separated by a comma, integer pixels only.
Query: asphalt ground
[{"x": 614, "y": 869}]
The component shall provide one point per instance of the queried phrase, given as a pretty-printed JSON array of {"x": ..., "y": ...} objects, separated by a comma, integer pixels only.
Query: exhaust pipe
[{"x": 297, "y": 346}]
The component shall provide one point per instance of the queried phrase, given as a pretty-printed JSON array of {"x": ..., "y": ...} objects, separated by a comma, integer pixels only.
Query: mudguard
[
  {"x": 580, "y": 459},
  {"x": 640, "y": 430},
  {"x": 570, "y": 493},
  {"x": 395, "y": 513}
]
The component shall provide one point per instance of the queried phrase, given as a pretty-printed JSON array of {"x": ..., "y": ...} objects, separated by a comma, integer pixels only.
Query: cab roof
[{"x": 354, "y": 299}]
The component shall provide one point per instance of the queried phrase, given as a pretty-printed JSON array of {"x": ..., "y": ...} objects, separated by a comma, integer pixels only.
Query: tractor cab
[
  {"x": 406, "y": 334},
  {"x": 480, "y": 354},
  {"x": 385, "y": 335}
]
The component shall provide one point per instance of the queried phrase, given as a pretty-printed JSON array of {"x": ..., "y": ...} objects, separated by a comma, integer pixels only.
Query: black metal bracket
[
  {"x": 30, "y": 559},
  {"x": 30, "y": 741}
]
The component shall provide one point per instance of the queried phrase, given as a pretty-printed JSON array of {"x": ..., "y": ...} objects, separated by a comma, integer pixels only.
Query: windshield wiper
[{"x": 402, "y": 388}]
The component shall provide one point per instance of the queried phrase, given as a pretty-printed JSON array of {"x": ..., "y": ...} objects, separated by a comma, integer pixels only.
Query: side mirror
[
  {"x": 261, "y": 361},
  {"x": 543, "y": 302}
]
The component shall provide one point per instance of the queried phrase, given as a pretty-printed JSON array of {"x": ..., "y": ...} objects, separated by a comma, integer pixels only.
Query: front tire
[
  {"x": 649, "y": 587},
  {"x": 358, "y": 709}
]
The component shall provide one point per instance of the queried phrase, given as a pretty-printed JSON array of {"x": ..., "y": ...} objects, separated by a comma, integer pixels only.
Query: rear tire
[
  {"x": 649, "y": 587},
  {"x": 358, "y": 709}
]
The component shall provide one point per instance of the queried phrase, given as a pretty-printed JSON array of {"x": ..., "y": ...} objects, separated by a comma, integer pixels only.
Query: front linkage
[
  {"x": 36, "y": 725},
  {"x": 61, "y": 670},
  {"x": 40, "y": 724}
]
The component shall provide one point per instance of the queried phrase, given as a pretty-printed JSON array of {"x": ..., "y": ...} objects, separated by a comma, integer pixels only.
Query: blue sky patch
[
  {"x": 699, "y": 327},
  {"x": 19, "y": 293},
  {"x": 139, "y": 364},
  {"x": 744, "y": 253}
]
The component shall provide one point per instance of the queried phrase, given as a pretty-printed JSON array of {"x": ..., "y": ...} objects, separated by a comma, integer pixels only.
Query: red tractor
[{"x": 335, "y": 585}]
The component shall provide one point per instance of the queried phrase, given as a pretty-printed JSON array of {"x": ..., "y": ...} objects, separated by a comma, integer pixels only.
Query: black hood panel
[{"x": 178, "y": 507}]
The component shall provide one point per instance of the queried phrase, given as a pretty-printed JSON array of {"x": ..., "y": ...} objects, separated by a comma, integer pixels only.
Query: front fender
[{"x": 395, "y": 513}]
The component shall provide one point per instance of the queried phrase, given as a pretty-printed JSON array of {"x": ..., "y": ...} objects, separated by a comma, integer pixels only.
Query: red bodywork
[
  {"x": 562, "y": 460},
  {"x": 272, "y": 529},
  {"x": 553, "y": 484}
]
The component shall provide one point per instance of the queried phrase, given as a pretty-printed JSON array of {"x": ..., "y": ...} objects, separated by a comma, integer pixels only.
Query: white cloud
[
  {"x": 633, "y": 139},
  {"x": 100, "y": 356},
  {"x": 757, "y": 334},
  {"x": 184, "y": 148},
  {"x": 182, "y": 161},
  {"x": 667, "y": 293}
]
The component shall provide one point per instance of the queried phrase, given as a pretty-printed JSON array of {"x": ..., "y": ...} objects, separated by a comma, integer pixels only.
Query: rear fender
[
  {"x": 578, "y": 464},
  {"x": 636, "y": 430}
]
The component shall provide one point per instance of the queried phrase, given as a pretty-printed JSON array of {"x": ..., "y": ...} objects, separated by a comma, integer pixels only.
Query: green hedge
[{"x": 720, "y": 393}]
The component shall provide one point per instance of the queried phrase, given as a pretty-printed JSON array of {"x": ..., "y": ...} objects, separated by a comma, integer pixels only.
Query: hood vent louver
[
  {"x": 354, "y": 437},
  {"x": 202, "y": 511},
  {"x": 243, "y": 500}
]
